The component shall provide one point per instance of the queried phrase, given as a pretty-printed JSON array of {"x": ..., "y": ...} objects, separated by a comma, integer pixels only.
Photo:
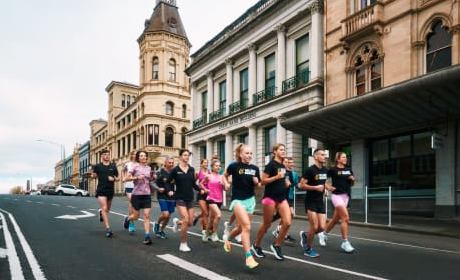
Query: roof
[
  {"x": 112, "y": 83},
  {"x": 417, "y": 103}
]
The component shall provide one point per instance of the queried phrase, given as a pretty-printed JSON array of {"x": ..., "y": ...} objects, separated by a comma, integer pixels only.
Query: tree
[{"x": 16, "y": 190}]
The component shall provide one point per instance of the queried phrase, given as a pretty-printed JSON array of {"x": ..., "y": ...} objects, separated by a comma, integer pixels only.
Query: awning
[{"x": 419, "y": 102}]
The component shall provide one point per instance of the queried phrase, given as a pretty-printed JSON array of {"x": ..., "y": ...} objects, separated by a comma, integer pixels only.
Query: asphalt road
[{"x": 34, "y": 244}]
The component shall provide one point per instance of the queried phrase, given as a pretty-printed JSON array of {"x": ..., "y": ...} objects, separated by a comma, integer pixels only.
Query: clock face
[{"x": 172, "y": 22}]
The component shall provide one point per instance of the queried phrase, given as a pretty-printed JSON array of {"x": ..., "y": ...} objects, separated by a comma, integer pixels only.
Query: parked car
[
  {"x": 35, "y": 192},
  {"x": 70, "y": 190},
  {"x": 48, "y": 190}
]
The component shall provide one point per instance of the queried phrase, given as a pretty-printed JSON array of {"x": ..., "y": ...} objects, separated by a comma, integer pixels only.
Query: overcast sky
[{"x": 57, "y": 57}]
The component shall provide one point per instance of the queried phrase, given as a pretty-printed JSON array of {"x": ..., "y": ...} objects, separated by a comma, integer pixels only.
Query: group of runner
[{"x": 175, "y": 187}]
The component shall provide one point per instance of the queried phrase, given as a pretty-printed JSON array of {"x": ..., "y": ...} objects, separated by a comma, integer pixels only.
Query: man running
[
  {"x": 129, "y": 185},
  {"x": 167, "y": 204}
]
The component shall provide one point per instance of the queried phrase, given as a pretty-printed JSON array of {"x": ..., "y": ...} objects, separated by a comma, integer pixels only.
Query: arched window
[
  {"x": 169, "y": 137},
  {"x": 438, "y": 47},
  {"x": 169, "y": 108},
  {"x": 184, "y": 111},
  {"x": 367, "y": 70},
  {"x": 172, "y": 70},
  {"x": 123, "y": 98},
  {"x": 155, "y": 68},
  {"x": 183, "y": 138},
  {"x": 128, "y": 100}
]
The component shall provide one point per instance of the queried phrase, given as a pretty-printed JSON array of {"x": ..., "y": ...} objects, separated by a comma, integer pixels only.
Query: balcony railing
[
  {"x": 299, "y": 80},
  {"x": 214, "y": 116},
  {"x": 263, "y": 95},
  {"x": 238, "y": 106},
  {"x": 199, "y": 122},
  {"x": 362, "y": 19}
]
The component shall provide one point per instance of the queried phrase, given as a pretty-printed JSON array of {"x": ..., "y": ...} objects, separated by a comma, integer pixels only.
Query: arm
[
  {"x": 168, "y": 189},
  {"x": 222, "y": 181},
  {"x": 304, "y": 186},
  {"x": 225, "y": 181},
  {"x": 267, "y": 180}
]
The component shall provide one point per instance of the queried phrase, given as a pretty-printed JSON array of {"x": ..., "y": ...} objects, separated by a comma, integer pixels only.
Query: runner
[
  {"x": 214, "y": 197},
  {"x": 184, "y": 177},
  {"x": 342, "y": 180},
  {"x": 314, "y": 181},
  {"x": 245, "y": 177},
  {"x": 201, "y": 199},
  {"x": 275, "y": 181},
  {"x": 167, "y": 204},
  {"x": 232, "y": 217},
  {"x": 141, "y": 196},
  {"x": 129, "y": 185}
]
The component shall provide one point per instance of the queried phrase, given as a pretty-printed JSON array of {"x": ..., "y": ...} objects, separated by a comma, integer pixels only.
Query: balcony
[
  {"x": 238, "y": 106},
  {"x": 263, "y": 95},
  {"x": 214, "y": 116},
  {"x": 199, "y": 122},
  {"x": 299, "y": 80},
  {"x": 366, "y": 20}
]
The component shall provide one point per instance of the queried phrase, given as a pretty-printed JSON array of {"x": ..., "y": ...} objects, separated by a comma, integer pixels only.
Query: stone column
[
  {"x": 209, "y": 150},
  {"x": 252, "y": 142},
  {"x": 195, "y": 105},
  {"x": 280, "y": 57},
  {"x": 229, "y": 83},
  {"x": 280, "y": 131},
  {"x": 210, "y": 103},
  {"x": 252, "y": 72},
  {"x": 455, "y": 30},
  {"x": 228, "y": 149},
  {"x": 316, "y": 40}
]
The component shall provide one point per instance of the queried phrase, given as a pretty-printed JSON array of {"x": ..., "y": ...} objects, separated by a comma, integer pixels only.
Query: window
[
  {"x": 270, "y": 73},
  {"x": 243, "y": 138},
  {"x": 155, "y": 69},
  {"x": 150, "y": 134},
  {"x": 129, "y": 142},
  {"x": 123, "y": 97},
  {"x": 123, "y": 148},
  {"x": 302, "y": 49},
  {"x": 142, "y": 144},
  {"x": 129, "y": 118},
  {"x": 169, "y": 137},
  {"x": 169, "y": 108},
  {"x": 362, "y": 4},
  {"x": 223, "y": 95},
  {"x": 204, "y": 103},
  {"x": 123, "y": 123},
  {"x": 244, "y": 84},
  {"x": 133, "y": 99},
  {"x": 438, "y": 48},
  {"x": 183, "y": 138},
  {"x": 134, "y": 140},
  {"x": 135, "y": 114},
  {"x": 221, "y": 146},
  {"x": 156, "y": 135},
  {"x": 367, "y": 66},
  {"x": 184, "y": 111},
  {"x": 128, "y": 100},
  {"x": 142, "y": 109},
  {"x": 172, "y": 70},
  {"x": 270, "y": 139}
]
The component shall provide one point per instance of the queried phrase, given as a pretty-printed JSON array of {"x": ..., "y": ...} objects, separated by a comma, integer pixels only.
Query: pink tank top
[
  {"x": 215, "y": 188},
  {"x": 201, "y": 177}
]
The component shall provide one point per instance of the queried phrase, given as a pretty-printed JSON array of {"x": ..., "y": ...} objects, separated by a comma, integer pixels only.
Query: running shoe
[
  {"x": 251, "y": 262},
  {"x": 184, "y": 247},
  {"x": 126, "y": 222},
  {"x": 275, "y": 233},
  {"x": 238, "y": 238},
  {"x": 163, "y": 235},
  {"x": 131, "y": 228},
  {"x": 346, "y": 246},
  {"x": 214, "y": 237},
  {"x": 100, "y": 215},
  {"x": 226, "y": 231},
  {"x": 322, "y": 238},
  {"x": 175, "y": 220},
  {"x": 204, "y": 236},
  {"x": 227, "y": 244},
  {"x": 277, "y": 252},
  {"x": 108, "y": 233},
  {"x": 156, "y": 229},
  {"x": 147, "y": 240},
  {"x": 289, "y": 239},
  {"x": 257, "y": 251},
  {"x": 303, "y": 239},
  {"x": 311, "y": 253},
  {"x": 195, "y": 220}
]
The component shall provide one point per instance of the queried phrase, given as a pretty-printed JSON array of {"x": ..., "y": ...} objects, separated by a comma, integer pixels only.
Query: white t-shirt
[{"x": 129, "y": 167}]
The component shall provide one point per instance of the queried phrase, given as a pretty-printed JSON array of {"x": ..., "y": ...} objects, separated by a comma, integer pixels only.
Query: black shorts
[
  {"x": 291, "y": 202},
  {"x": 201, "y": 197},
  {"x": 219, "y": 204},
  {"x": 141, "y": 201},
  {"x": 315, "y": 206},
  {"x": 185, "y": 203},
  {"x": 106, "y": 193}
]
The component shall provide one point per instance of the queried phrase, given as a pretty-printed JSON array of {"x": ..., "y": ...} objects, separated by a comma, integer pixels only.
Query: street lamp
[{"x": 62, "y": 153}]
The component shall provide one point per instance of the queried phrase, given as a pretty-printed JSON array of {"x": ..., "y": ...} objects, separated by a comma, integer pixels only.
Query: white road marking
[
  {"x": 13, "y": 259},
  {"x": 3, "y": 253},
  {"x": 28, "y": 201},
  {"x": 192, "y": 267},
  {"x": 55, "y": 204},
  {"x": 74, "y": 217},
  {"x": 33, "y": 263},
  {"x": 93, "y": 209},
  {"x": 39, "y": 202},
  {"x": 71, "y": 207}
]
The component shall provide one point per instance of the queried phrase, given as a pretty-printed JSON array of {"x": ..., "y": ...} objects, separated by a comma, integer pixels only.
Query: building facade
[
  {"x": 84, "y": 164},
  {"x": 155, "y": 115},
  {"x": 261, "y": 69},
  {"x": 392, "y": 101},
  {"x": 58, "y": 172},
  {"x": 67, "y": 170}
]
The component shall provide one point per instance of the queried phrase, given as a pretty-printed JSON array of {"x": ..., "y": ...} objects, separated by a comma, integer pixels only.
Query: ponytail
[{"x": 238, "y": 150}]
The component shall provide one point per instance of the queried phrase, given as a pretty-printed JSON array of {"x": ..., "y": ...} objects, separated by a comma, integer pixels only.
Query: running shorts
[
  {"x": 141, "y": 201},
  {"x": 315, "y": 206},
  {"x": 248, "y": 203},
  {"x": 167, "y": 205}
]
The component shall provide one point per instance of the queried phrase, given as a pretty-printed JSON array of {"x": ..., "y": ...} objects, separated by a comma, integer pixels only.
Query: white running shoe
[
  {"x": 204, "y": 236},
  {"x": 238, "y": 238},
  {"x": 322, "y": 238},
  {"x": 184, "y": 247},
  {"x": 175, "y": 220},
  {"x": 226, "y": 231},
  {"x": 346, "y": 246},
  {"x": 214, "y": 237}
]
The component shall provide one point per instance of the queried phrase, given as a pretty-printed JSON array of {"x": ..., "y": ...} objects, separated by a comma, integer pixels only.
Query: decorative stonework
[
  {"x": 418, "y": 44},
  {"x": 228, "y": 61},
  {"x": 316, "y": 7},
  {"x": 210, "y": 74},
  {"x": 280, "y": 28},
  {"x": 252, "y": 47}
]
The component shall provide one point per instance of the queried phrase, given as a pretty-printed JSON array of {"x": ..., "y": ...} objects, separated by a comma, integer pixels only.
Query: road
[{"x": 34, "y": 244}]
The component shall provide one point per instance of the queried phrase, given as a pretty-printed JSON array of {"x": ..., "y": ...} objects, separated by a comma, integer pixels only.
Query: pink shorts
[
  {"x": 269, "y": 201},
  {"x": 340, "y": 199}
]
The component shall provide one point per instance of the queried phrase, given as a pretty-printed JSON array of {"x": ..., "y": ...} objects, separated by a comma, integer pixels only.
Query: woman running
[
  {"x": 129, "y": 185},
  {"x": 245, "y": 177},
  {"x": 201, "y": 199},
  {"x": 184, "y": 177},
  {"x": 342, "y": 180},
  {"x": 141, "y": 196},
  {"x": 214, "y": 198},
  {"x": 275, "y": 181}
]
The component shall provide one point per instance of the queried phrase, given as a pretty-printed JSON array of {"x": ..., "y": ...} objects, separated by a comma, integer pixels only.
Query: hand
[
  {"x": 170, "y": 193},
  {"x": 255, "y": 180},
  {"x": 161, "y": 190},
  {"x": 141, "y": 177},
  {"x": 111, "y": 179},
  {"x": 288, "y": 184},
  {"x": 201, "y": 191},
  {"x": 206, "y": 178},
  {"x": 351, "y": 178},
  {"x": 326, "y": 193},
  {"x": 320, "y": 188},
  {"x": 330, "y": 188}
]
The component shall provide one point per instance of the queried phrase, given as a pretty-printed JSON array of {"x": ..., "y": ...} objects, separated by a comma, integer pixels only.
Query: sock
[
  {"x": 344, "y": 240},
  {"x": 147, "y": 235},
  {"x": 248, "y": 254}
]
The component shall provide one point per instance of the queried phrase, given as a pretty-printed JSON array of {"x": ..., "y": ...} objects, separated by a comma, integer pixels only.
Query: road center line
[
  {"x": 35, "y": 267},
  {"x": 55, "y": 204},
  {"x": 192, "y": 267},
  {"x": 71, "y": 207},
  {"x": 13, "y": 259}
]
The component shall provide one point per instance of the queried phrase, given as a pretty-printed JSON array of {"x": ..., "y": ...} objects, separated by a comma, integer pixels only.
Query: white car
[
  {"x": 70, "y": 190},
  {"x": 35, "y": 192}
]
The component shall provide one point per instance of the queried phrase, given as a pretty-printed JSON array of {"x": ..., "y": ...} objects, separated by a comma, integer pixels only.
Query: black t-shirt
[
  {"x": 291, "y": 179},
  {"x": 315, "y": 177},
  {"x": 103, "y": 172},
  {"x": 162, "y": 180},
  {"x": 242, "y": 174},
  {"x": 340, "y": 179},
  {"x": 185, "y": 183},
  {"x": 276, "y": 190}
]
